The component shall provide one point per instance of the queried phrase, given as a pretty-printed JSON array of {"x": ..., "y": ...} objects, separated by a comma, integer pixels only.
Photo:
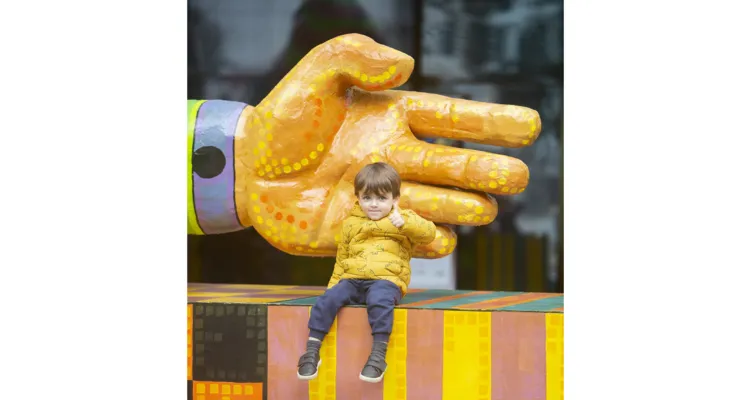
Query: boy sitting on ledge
[{"x": 372, "y": 267}]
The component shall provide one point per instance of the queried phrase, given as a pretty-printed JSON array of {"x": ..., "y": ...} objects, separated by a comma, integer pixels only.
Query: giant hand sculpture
[{"x": 286, "y": 167}]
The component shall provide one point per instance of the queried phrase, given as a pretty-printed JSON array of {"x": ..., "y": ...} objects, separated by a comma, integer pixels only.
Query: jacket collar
[{"x": 357, "y": 210}]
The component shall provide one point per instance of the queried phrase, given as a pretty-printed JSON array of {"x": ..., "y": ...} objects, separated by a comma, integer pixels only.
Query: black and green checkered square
[{"x": 230, "y": 342}]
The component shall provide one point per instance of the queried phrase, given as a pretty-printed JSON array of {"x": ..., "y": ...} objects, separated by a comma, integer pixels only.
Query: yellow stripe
[
  {"x": 324, "y": 386},
  {"x": 467, "y": 355},
  {"x": 394, "y": 383},
  {"x": 555, "y": 345},
  {"x": 193, "y": 227}
]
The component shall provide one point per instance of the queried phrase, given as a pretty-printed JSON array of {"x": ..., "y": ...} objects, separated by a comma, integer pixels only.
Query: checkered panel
[{"x": 230, "y": 342}]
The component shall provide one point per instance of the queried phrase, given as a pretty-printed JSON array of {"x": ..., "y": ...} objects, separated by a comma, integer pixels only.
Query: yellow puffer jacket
[{"x": 377, "y": 249}]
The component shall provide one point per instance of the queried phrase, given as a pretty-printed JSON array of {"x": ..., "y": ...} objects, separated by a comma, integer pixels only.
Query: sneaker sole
[
  {"x": 373, "y": 380},
  {"x": 310, "y": 377}
]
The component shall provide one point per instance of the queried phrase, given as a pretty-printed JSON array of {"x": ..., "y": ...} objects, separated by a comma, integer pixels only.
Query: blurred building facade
[{"x": 500, "y": 51}]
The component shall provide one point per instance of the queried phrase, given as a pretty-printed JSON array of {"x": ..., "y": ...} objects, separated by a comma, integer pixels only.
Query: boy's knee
[
  {"x": 334, "y": 296},
  {"x": 385, "y": 300}
]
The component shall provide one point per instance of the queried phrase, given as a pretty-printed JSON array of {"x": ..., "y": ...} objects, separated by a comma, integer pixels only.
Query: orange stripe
[
  {"x": 507, "y": 301},
  {"x": 441, "y": 299},
  {"x": 559, "y": 309}
]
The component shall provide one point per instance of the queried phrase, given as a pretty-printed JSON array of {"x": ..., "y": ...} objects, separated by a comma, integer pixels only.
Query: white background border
[{"x": 93, "y": 173}]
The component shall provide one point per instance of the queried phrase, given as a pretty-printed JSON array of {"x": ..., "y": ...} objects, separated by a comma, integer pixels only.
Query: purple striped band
[{"x": 213, "y": 196}]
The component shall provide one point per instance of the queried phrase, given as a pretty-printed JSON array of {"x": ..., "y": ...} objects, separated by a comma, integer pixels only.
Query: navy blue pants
[{"x": 380, "y": 297}]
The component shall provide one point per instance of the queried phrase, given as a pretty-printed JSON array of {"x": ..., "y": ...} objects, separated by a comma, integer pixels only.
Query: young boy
[{"x": 372, "y": 267}]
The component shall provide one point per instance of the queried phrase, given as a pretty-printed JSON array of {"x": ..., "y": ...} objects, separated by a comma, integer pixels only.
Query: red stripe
[
  {"x": 353, "y": 344},
  {"x": 424, "y": 354},
  {"x": 287, "y": 328},
  {"x": 518, "y": 356}
]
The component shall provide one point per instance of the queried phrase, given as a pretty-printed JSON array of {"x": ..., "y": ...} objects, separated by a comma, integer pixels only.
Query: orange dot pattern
[{"x": 284, "y": 230}]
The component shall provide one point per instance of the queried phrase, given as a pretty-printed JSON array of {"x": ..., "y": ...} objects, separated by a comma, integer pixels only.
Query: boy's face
[{"x": 376, "y": 206}]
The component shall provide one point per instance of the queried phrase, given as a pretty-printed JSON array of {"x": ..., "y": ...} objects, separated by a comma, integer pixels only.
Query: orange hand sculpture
[{"x": 286, "y": 167}]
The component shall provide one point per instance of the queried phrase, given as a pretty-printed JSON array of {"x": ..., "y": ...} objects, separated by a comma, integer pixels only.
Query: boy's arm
[
  {"x": 417, "y": 229},
  {"x": 341, "y": 254}
]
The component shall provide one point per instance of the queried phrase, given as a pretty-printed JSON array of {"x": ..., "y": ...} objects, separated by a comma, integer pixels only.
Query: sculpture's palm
[{"x": 296, "y": 154}]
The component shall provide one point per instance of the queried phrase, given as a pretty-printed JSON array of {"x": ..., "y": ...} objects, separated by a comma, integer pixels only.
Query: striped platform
[{"x": 244, "y": 342}]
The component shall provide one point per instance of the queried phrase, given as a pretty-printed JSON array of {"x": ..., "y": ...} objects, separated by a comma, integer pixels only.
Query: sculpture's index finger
[{"x": 472, "y": 121}]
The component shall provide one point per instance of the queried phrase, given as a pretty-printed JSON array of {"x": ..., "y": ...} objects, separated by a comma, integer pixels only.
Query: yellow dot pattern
[
  {"x": 324, "y": 386},
  {"x": 496, "y": 179},
  {"x": 383, "y": 77},
  {"x": 266, "y": 166},
  {"x": 532, "y": 126},
  {"x": 475, "y": 212},
  {"x": 263, "y": 125},
  {"x": 387, "y": 76},
  {"x": 443, "y": 245},
  {"x": 442, "y": 110},
  {"x": 555, "y": 344},
  {"x": 394, "y": 383},
  {"x": 467, "y": 355}
]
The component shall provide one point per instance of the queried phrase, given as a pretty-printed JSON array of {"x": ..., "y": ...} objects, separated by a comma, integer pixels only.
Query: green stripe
[
  {"x": 463, "y": 301},
  {"x": 193, "y": 227},
  {"x": 427, "y": 295},
  {"x": 541, "y": 305},
  {"x": 408, "y": 299},
  {"x": 306, "y": 301},
  {"x": 431, "y": 295}
]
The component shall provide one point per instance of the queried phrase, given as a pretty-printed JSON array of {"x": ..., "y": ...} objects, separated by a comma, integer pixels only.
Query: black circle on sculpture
[{"x": 208, "y": 162}]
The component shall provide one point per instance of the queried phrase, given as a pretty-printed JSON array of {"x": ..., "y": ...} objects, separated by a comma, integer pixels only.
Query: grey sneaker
[
  {"x": 307, "y": 367},
  {"x": 375, "y": 366}
]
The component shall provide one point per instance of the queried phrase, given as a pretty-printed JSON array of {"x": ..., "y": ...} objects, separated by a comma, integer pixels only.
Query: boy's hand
[{"x": 396, "y": 219}]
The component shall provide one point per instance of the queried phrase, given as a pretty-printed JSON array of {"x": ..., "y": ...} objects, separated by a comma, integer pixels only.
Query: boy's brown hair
[{"x": 379, "y": 178}]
